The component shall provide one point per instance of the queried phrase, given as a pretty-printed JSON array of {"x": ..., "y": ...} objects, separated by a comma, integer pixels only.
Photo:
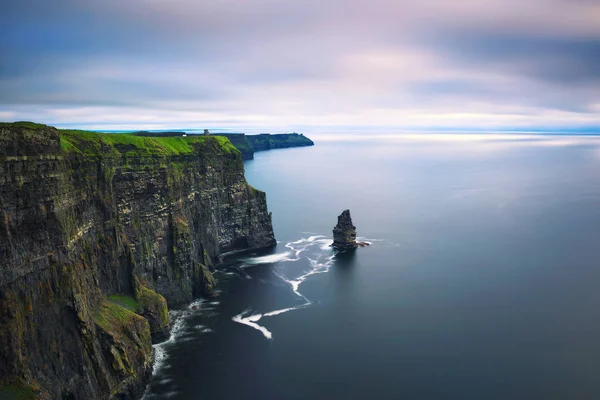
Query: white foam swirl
[
  {"x": 318, "y": 265},
  {"x": 272, "y": 258},
  {"x": 177, "y": 318},
  {"x": 251, "y": 322}
]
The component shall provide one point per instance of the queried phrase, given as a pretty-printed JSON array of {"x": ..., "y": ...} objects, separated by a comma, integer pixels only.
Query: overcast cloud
[{"x": 285, "y": 64}]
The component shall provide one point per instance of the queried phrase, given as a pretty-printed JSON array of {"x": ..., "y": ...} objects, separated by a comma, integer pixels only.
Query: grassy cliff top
[
  {"x": 94, "y": 143},
  {"x": 23, "y": 124},
  {"x": 25, "y": 138}
]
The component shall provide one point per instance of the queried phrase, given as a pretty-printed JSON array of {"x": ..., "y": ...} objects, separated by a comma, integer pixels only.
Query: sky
[{"x": 301, "y": 64}]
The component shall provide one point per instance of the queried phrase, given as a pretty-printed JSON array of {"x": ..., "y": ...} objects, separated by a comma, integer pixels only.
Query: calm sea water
[{"x": 482, "y": 280}]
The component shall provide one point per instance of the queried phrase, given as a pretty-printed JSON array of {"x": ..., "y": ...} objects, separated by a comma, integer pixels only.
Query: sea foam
[{"x": 320, "y": 261}]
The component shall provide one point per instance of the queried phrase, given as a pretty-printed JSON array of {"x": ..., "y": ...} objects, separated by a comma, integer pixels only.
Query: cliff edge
[
  {"x": 98, "y": 232},
  {"x": 247, "y": 144}
]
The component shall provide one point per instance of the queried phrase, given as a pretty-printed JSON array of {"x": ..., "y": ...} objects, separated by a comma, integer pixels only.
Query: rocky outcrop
[
  {"x": 344, "y": 233},
  {"x": 98, "y": 233}
]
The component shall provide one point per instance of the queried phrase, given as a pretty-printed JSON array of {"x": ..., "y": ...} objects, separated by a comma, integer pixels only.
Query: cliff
[
  {"x": 98, "y": 232},
  {"x": 241, "y": 142},
  {"x": 266, "y": 141},
  {"x": 248, "y": 144}
]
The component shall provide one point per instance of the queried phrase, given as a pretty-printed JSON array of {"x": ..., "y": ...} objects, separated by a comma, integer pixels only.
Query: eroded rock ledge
[{"x": 98, "y": 233}]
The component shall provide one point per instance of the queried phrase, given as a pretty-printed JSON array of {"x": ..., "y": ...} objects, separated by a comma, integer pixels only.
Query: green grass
[
  {"x": 114, "y": 318},
  {"x": 22, "y": 124},
  {"x": 240, "y": 141},
  {"x": 94, "y": 143},
  {"x": 125, "y": 301},
  {"x": 17, "y": 391},
  {"x": 149, "y": 299},
  {"x": 88, "y": 143},
  {"x": 131, "y": 342}
]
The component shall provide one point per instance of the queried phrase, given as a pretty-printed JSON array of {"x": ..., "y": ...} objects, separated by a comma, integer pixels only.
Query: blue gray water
[{"x": 482, "y": 280}]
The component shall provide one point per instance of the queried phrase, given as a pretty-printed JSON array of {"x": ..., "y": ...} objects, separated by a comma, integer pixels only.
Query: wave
[
  {"x": 178, "y": 333},
  {"x": 370, "y": 241},
  {"x": 251, "y": 322},
  {"x": 270, "y": 259},
  {"x": 284, "y": 310},
  {"x": 325, "y": 243},
  {"x": 318, "y": 264},
  {"x": 252, "y": 319},
  {"x": 301, "y": 245}
]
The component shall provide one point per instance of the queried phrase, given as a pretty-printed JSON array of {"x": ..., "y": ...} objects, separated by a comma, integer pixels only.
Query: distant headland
[{"x": 246, "y": 144}]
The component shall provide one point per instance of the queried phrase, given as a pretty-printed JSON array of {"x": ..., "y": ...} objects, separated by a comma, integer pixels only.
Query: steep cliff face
[{"x": 97, "y": 234}]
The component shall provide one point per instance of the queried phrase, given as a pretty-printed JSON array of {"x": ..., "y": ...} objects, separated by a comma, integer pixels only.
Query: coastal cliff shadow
[
  {"x": 343, "y": 268},
  {"x": 344, "y": 260}
]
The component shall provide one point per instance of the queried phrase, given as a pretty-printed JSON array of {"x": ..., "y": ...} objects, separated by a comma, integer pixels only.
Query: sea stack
[{"x": 344, "y": 233}]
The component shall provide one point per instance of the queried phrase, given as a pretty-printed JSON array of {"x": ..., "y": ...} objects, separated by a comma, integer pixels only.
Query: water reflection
[
  {"x": 343, "y": 277},
  {"x": 345, "y": 260}
]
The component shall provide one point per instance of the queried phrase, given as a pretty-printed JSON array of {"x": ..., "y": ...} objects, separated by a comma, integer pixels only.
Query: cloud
[{"x": 284, "y": 63}]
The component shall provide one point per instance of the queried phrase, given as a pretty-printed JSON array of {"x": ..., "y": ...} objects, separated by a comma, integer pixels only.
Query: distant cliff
[
  {"x": 98, "y": 232},
  {"x": 248, "y": 144}
]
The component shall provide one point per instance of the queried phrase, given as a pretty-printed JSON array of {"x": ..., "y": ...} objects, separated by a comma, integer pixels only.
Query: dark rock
[
  {"x": 344, "y": 233},
  {"x": 28, "y": 139}
]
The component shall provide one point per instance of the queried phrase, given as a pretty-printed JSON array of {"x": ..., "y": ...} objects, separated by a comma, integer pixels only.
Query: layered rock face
[
  {"x": 344, "y": 233},
  {"x": 97, "y": 234}
]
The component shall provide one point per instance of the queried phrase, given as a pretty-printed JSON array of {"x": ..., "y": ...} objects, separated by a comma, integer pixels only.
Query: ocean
[{"x": 481, "y": 280}]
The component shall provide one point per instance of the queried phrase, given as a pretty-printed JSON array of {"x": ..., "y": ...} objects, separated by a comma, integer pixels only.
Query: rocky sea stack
[{"x": 344, "y": 233}]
